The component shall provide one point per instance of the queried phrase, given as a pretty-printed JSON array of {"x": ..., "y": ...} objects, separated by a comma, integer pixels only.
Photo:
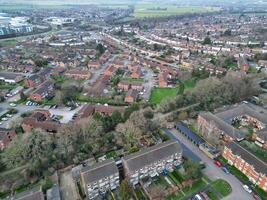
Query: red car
[
  {"x": 217, "y": 163},
  {"x": 255, "y": 196}
]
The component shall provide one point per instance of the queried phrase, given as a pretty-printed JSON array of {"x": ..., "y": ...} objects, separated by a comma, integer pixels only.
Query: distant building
[
  {"x": 152, "y": 161},
  {"x": 100, "y": 178},
  {"x": 10, "y": 77},
  {"x": 254, "y": 168},
  {"x": 78, "y": 74}
]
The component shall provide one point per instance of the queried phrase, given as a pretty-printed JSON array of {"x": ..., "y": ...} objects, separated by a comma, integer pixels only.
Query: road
[
  {"x": 213, "y": 172},
  {"x": 97, "y": 72},
  {"x": 149, "y": 84},
  {"x": 21, "y": 109}
]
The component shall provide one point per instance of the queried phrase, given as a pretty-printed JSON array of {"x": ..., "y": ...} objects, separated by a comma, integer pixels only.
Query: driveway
[{"x": 213, "y": 172}]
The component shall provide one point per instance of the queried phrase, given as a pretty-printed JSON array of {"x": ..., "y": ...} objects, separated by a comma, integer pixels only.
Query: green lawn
[
  {"x": 222, "y": 187},
  {"x": 158, "y": 94},
  {"x": 8, "y": 42},
  {"x": 189, "y": 83},
  {"x": 157, "y": 10},
  {"x": 211, "y": 195}
]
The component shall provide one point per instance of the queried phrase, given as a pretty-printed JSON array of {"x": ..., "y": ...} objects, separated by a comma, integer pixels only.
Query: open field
[
  {"x": 158, "y": 94},
  {"x": 151, "y": 10}
]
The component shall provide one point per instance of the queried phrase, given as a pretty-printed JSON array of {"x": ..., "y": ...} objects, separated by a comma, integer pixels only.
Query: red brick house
[
  {"x": 40, "y": 119},
  {"x": 93, "y": 65},
  {"x": 254, "y": 168},
  {"x": 136, "y": 73},
  {"x": 78, "y": 74},
  {"x": 44, "y": 90},
  {"x": 6, "y": 136},
  {"x": 137, "y": 86},
  {"x": 33, "y": 81},
  {"x": 131, "y": 96},
  {"x": 124, "y": 85}
]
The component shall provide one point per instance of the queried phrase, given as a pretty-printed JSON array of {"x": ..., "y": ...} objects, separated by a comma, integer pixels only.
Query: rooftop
[
  {"x": 98, "y": 171},
  {"x": 152, "y": 154},
  {"x": 259, "y": 165}
]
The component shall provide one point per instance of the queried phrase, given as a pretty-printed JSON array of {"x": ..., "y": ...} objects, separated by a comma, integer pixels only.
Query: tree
[
  {"x": 192, "y": 169},
  {"x": 207, "y": 40},
  {"x": 125, "y": 190},
  {"x": 148, "y": 114},
  {"x": 100, "y": 48},
  {"x": 41, "y": 62}
]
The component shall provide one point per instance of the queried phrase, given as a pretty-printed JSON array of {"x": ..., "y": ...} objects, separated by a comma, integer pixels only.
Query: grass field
[
  {"x": 222, "y": 187},
  {"x": 8, "y": 42},
  {"x": 153, "y": 10},
  {"x": 158, "y": 94}
]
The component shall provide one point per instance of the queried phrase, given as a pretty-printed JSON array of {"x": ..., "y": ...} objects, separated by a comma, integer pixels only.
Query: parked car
[
  {"x": 255, "y": 196},
  {"x": 204, "y": 195},
  {"x": 13, "y": 104},
  {"x": 4, "y": 119},
  {"x": 247, "y": 189},
  {"x": 9, "y": 115},
  {"x": 225, "y": 170},
  {"x": 197, "y": 197},
  {"x": 217, "y": 163}
]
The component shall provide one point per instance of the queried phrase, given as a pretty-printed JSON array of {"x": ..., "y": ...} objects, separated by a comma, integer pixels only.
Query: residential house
[
  {"x": 33, "y": 81},
  {"x": 131, "y": 96},
  {"x": 43, "y": 91},
  {"x": 6, "y": 136},
  {"x": 93, "y": 65},
  {"x": 124, "y": 85},
  {"x": 137, "y": 86},
  {"x": 152, "y": 161},
  {"x": 260, "y": 138},
  {"x": 250, "y": 165},
  {"x": 39, "y": 119},
  {"x": 100, "y": 178},
  {"x": 78, "y": 74}
]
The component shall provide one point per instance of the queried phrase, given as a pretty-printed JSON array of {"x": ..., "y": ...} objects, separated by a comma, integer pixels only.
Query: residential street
[{"x": 213, "y": 172}]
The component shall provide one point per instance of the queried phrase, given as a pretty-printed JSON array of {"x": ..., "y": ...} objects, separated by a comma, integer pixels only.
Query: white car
[
  {"x": 9, "y": 115},
  {"x": 247, "y": 189},
  {"x": 13, "y": 104},
  {"x": 4, "y": 119}
]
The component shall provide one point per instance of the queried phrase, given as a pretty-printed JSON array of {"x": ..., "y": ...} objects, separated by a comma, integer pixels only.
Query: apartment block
[
  {"x": 100, "y": 178},
  {"x": 152, "y": 161},
  {"x": 254, "y": 168}
]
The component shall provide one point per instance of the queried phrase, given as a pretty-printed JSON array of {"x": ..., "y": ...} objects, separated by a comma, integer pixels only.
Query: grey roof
[
  {"x": 262, "y": 134},
  {"x": 152, "y": 154},
  {"x": 9, "y": 75},
  {"x": 53, "y": 193},
  {"x": 223, "y": 126},
  {"x": 244, "y": 109},
  {"x": 98, "y": 171},
  {"x": 34, "y": 194},
  {"x": 259, "y": 165},
  {"x": 45, "y": 87}
]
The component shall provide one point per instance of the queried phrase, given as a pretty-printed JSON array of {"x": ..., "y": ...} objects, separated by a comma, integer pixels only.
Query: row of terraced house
[{"x": 139, "y": 166}]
